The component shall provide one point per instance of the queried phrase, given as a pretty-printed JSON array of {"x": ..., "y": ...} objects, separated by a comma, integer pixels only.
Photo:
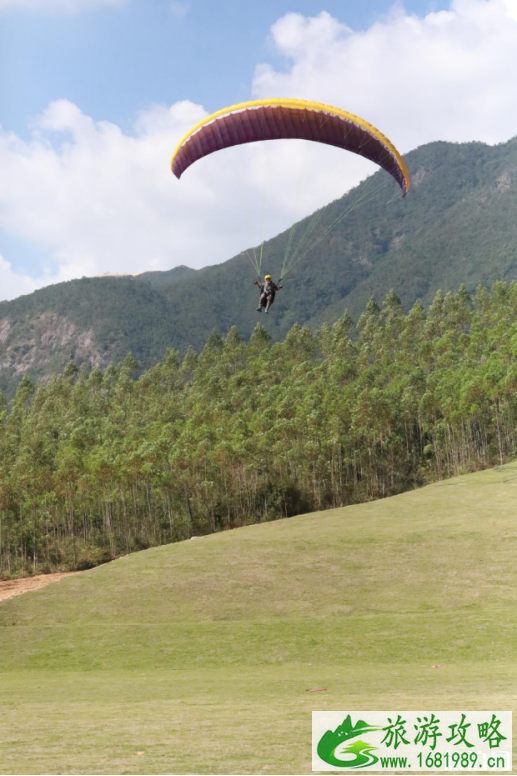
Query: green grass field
[{"x": 196, "y": 657}]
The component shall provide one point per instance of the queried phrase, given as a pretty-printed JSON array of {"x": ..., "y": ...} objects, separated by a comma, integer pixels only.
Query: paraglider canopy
[{"x": 278, "y": 119}]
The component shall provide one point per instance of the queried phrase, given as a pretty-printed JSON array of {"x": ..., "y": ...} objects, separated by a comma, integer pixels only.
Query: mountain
[
  {"x": 169, "y": 276},
  {"x": 458, "y": 224}
]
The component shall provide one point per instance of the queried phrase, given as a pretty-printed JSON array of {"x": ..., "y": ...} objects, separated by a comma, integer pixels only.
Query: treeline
[{"x": 95, "y": 465}]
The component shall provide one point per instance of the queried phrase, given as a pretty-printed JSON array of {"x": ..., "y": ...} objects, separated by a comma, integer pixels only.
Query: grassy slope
[{"x": 195, "y": 657}]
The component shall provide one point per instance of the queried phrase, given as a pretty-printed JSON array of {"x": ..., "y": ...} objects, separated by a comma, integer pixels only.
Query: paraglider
[
  {"x": 268, "y": 290},
  {"x": 278, "y": 119},
  {"x": 284, "y": 119}
]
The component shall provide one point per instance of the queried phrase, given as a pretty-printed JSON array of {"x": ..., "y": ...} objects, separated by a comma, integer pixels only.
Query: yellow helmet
[{"x": 267, "y": 278}]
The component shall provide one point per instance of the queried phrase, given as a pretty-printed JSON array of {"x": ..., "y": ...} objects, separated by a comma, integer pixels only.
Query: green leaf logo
[{"x": 358, "y": 753}]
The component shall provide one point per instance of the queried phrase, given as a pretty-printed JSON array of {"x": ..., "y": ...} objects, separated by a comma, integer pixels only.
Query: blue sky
[
  {"x": 115, "y": 61},
  {"x": 95, "y": 95}
]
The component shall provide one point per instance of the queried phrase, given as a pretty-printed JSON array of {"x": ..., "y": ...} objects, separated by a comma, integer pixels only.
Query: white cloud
[
  {"x": 99, "y": 200},
  {"x": 11, "y": 283},
  {"x": 179, "y": 9},
  {"x": 69, "y": 6},
  {"x": 511, "y": 8},
  {"x": 447, "y": 76}
]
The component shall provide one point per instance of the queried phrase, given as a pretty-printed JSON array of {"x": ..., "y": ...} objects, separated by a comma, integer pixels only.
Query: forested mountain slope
[
  {"x": 458, "y": 224},
  {"x": 93, "y": 466}
]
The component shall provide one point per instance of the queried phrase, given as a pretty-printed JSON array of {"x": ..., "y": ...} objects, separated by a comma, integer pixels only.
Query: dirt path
[{"x": 14, "y": 587}]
